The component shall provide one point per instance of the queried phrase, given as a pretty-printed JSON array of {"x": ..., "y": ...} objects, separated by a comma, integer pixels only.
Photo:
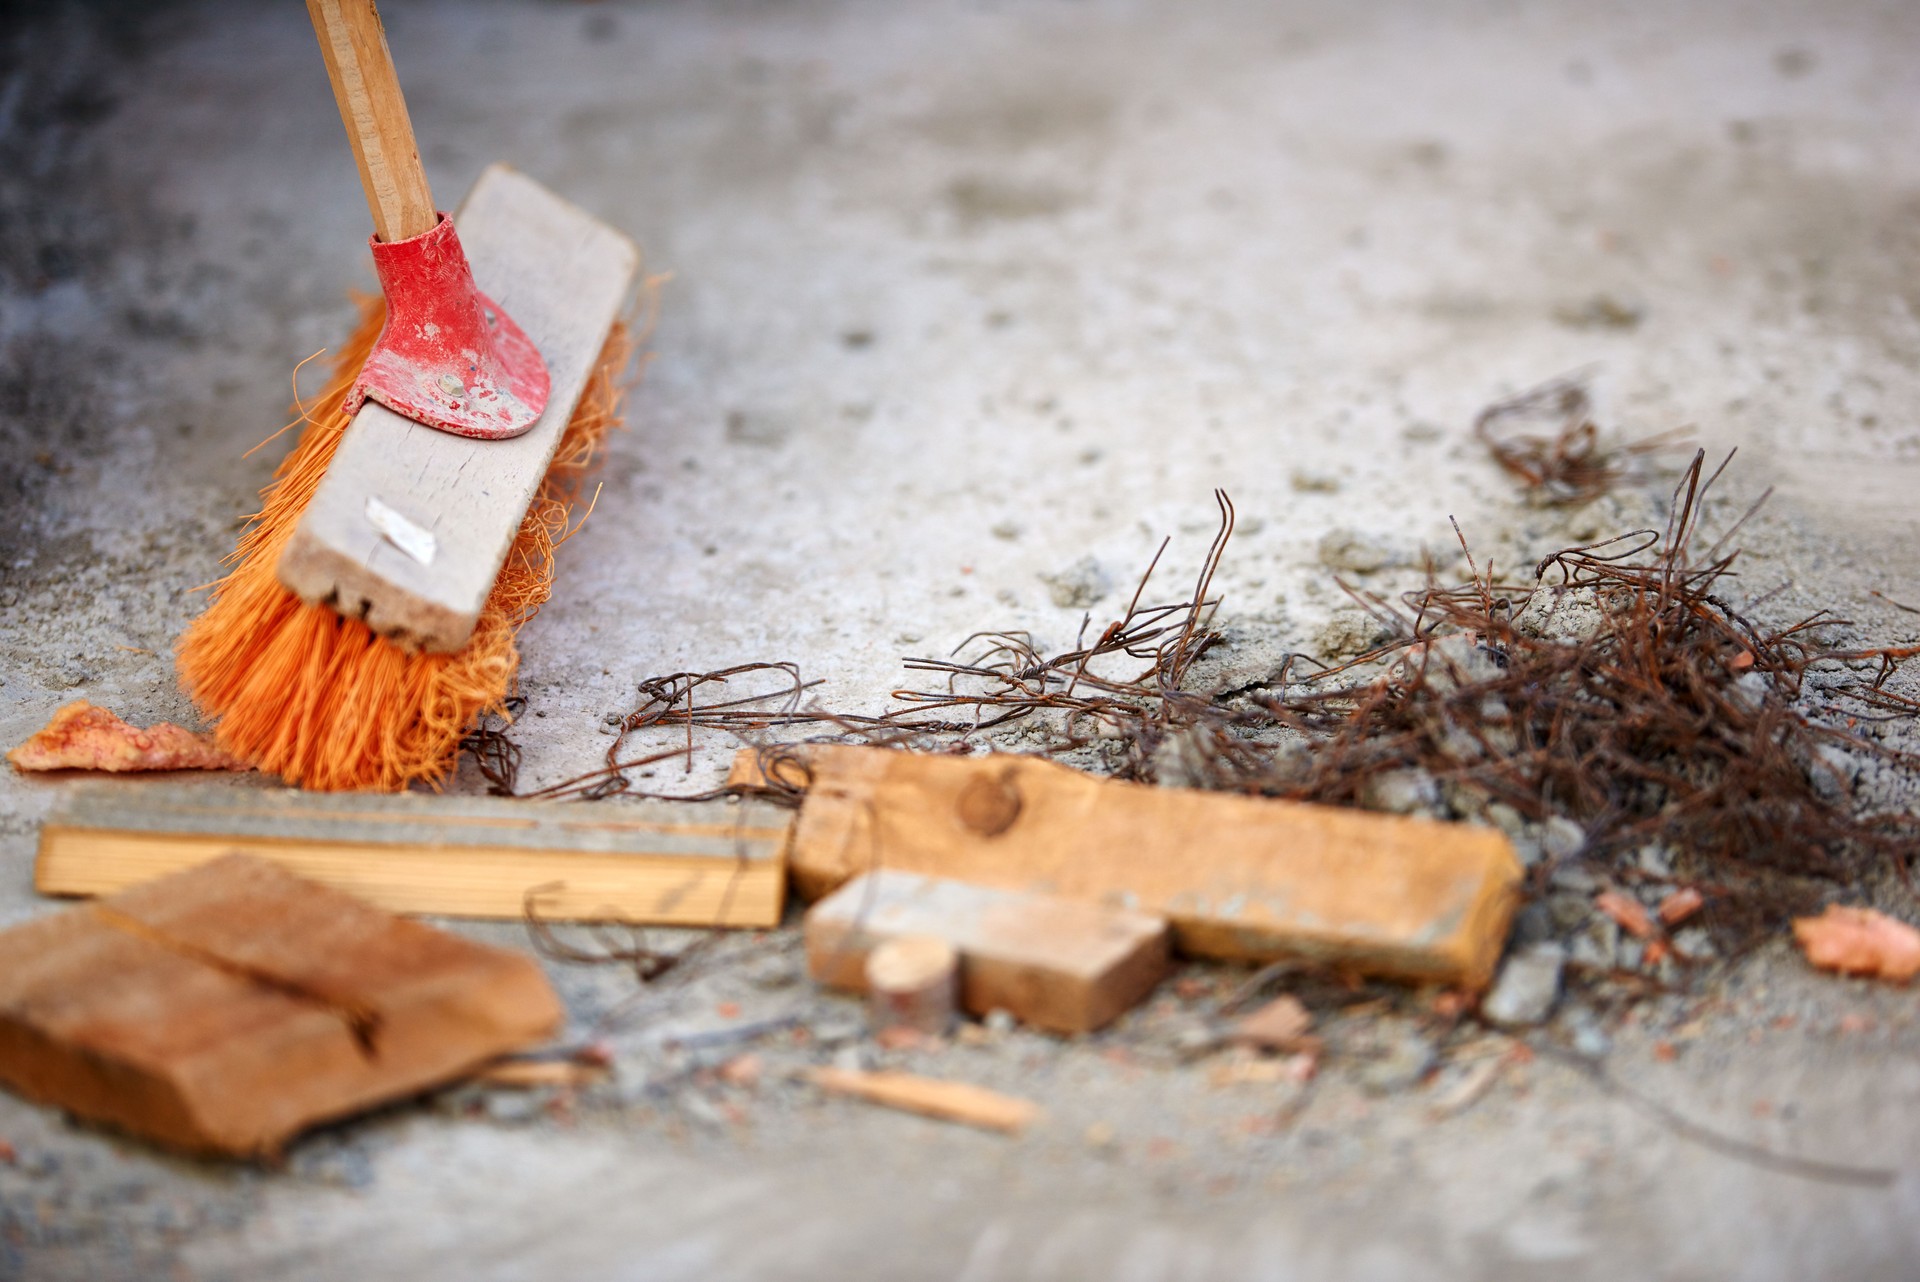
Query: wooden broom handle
[{"x": 361, "y": 69}]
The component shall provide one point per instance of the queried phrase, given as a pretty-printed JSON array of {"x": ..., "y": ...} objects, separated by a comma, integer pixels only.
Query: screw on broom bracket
[{"x": 449, "y": 356}]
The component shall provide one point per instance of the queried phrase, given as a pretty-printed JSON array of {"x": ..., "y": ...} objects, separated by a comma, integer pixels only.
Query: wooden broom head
[{"x": 319, "y": 699}]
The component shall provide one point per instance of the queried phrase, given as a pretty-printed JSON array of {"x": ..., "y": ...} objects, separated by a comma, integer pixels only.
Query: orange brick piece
[
  {"x": 1235, "y": 876},
  {"x": 225, "y": 1008},
  {"x": 1060, "y": 964}
]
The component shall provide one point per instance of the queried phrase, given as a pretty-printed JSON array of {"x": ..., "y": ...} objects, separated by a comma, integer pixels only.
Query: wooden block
[
  {"x": 1236, "y": 876},
  {"x": 949, "y": 1101},
  {"x": 913, "y": 982},
  {"x": 226, "y": 1008},
  {"x": 1056, "y": 963},
  {"x": 691, "y": 864},
  {"x": 410, "y": 526}
]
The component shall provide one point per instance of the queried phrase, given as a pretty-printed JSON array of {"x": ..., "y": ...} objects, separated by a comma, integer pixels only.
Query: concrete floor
[{"x": 957, "y": 296}]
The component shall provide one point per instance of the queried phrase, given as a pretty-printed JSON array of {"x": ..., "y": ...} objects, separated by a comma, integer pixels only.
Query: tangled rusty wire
[
  {"x": 1567, "y": 464},
  {"x": 1662, "y": 713},
  {"x": 1620, "y": 690}
]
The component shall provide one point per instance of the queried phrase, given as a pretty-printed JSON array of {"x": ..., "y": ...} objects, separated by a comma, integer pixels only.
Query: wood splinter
[{"x": 960, "y": 1102}]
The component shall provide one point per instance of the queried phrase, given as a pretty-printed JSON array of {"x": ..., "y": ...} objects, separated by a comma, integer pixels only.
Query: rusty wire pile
[
  {"x": 1661, "y": 713},
  {"x": 1565, "y": 461}
]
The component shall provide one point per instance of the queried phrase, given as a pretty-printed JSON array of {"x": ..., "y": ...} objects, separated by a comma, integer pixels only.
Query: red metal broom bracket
[{"x": 448, "y": 357}]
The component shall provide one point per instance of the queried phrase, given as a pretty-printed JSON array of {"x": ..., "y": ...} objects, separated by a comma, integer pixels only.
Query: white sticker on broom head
[{"x": 415, "y": 540}]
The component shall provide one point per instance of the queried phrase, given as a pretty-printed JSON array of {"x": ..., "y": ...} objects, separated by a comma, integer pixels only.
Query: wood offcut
[
  {"x": 1066, "y": 965},
  {"x": 227, "y": 1008},
  {"x": 1237, "y": 877}
]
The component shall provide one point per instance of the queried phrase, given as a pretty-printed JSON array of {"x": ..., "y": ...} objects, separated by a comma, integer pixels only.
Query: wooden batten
[{"x": 691, "y": 864}]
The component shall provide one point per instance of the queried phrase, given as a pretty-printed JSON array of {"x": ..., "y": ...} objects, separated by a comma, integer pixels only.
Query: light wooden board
[
  {"x": 226, "y": 1008},
  {"x": 1237, "y": 877},
  {"x": 691, "y": 864},
  {"x": 410, "y": 526},
  {"x": 1062, "y": 964}
]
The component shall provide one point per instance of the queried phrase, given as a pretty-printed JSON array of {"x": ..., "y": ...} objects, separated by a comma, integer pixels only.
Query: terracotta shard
[
  {"x": 1860, "y": 941},
  {"x": 83, "y": 737},
  {"x": 1629, "y": 914}
]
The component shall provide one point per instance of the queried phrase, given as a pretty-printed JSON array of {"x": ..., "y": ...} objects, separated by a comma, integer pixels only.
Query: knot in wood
[{"x": 989, "y": 805}]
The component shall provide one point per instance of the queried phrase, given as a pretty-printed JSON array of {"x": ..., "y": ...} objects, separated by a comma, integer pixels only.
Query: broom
[
  {"x": 295, "y": 687},
  {"x": 319, "y": 699}
]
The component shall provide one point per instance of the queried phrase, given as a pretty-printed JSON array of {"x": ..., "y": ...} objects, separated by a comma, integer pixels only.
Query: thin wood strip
[
  {"x": 449, "y": 881},
  {"x": 948, "y": 1101}
]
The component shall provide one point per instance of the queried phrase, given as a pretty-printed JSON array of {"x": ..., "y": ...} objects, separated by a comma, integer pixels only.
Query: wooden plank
[
  {"x": 410, "y": 526},
  {"x": 1237, "y": 877},
  {"x": 1056, "y": 963},
  {"x": 226, "y": 1008},
  {"x": 949, "y": 1101},
  {"x": 689, "y": 864}
]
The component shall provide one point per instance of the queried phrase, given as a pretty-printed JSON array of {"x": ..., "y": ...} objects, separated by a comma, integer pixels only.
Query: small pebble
[
  {"x": 1197, "y": 1038},
  {"x": 1655, "y": 859},
  {"x": 1528, "y": 986},
  {"x": 1309, "y": 481},
  {"x": 1356, "y": 552},
  {"x": 1589, "y": 1040},
  {"x": 1562, "y": 838},
  {"x": 1695, "y": 943},
  {"x": 1575, "y": 879},
  {"x": 773, "y": 973},
  {"x": 1595, "y": 946},
  {"x": 1079, "y": 586},
  {"x": 1401, "y": 792}
]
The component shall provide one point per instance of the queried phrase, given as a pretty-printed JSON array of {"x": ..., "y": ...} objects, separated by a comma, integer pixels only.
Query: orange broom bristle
[{"x": 320, "y": 700}]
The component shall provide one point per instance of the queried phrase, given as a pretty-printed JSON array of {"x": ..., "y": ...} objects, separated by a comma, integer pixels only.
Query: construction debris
[
  {"x": 83, "y": 737},
  {"x": 1565, "y": 463},
  {"x": 227, "y": 1008},
  {"x": 1380, "y": 894},
  {"x": 705, "y": 864},
  {"x": 1055, "y": 963},
  {"x": 1860, "y": 941},
  {"x": 949, "y": 1101}
]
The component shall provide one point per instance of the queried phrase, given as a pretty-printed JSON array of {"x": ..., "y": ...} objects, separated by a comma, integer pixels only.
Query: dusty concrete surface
[{"x": 960, "y": 296}]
